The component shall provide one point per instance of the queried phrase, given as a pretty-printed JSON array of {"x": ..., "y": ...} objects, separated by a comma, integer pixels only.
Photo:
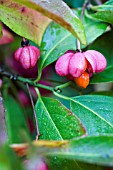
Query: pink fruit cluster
[
  {"x": 74, "y": 65},
  {"x": 27, "y": 55}
]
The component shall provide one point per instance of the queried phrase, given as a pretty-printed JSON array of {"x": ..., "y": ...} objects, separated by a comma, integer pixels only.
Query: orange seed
[{"x": 83, "y": 80}]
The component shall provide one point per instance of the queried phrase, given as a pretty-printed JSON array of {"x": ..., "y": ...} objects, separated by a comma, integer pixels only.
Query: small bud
[
  {"x": 83, "y": 80},
  {"x": 27, "y": 56}
]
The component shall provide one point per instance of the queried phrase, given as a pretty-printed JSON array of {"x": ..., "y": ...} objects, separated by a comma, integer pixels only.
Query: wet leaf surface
[
  {"x": 91, "y": 149},
  {"x": 96, "y": 112},
  {"x": 56, "y": 122}
]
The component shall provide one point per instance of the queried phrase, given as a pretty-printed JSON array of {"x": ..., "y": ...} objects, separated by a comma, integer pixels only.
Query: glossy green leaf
[
  {"x": 57, "y": 162},
  {"x": 57, "y": 40},
  {"x": 104, "y": 44},
  {"x": 15, "y": 121},
  {"x": 91, "y": 25},
  {"x": 59, "y": 12},
  {"x": 56, "y": 122},
  {"x": 8, "y": 159},
  {"x": 104, "y": 12},
  {"x": 24, "y": 21},
  {"x": 74, "y": 3},
  {"x": 105, "y": 76},
  {"x": 91, "y": 149},
  {"x": 96, "y": 112}
]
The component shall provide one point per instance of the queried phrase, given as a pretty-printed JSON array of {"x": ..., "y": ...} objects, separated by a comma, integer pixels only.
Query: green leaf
[
  {"x": 57, "y": 40},
  {"x": 59, "y": 12},
  {"x": 74, "y": 4},
  {"x": 92, "y": 25},
  {"x": 91, "y": 149},
  {"x": 105, "y": 76},
  {"x": 24, "y": 21},
  {"x": 104, "y": 93},
  {"x": 56, "y": 122},
  {"x": 8, "y": 159},
  {"x": 16, "y": 124},
  {"x": 67, "y": 164},
  {"x": 96, "y": 113},
  {"x": 104, "y": 12},
  {"x": 110, "y": 2},
  {"x": 104, "y": 45}
]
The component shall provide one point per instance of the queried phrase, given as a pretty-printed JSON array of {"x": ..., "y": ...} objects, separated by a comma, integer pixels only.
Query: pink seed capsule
[
  {"x": 77, "y": 64},
  {"x": 27, "y": 55},
  {"x": 62, "y": 64},
  {"x": 97, "y": 60},
  {"x": 80, "y": 66}
]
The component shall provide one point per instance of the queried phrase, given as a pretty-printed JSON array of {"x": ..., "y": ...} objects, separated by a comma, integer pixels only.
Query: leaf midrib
[
  {"x": 45, "y": 58},
  {"x": 79, "y": 154},
  {"x": 92, "y": 112},
  {"x": 51, "y": 119}
]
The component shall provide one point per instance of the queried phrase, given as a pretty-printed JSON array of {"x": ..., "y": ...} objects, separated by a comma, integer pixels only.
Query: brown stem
[
  {"x": 83, "y": 9},
  {"x": 34, "y": 111},
  {"x": 81, "y": 17}
]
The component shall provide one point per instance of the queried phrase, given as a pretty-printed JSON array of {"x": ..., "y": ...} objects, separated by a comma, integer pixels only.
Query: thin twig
[
  {"x": 34, "y": 111},
  {"x": 16, "y": 77},
  {"x": 81, "y": 17},
  {"x": 83, "y": 8}
]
